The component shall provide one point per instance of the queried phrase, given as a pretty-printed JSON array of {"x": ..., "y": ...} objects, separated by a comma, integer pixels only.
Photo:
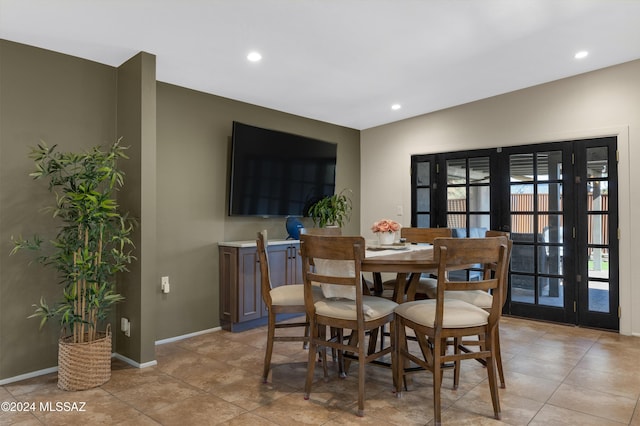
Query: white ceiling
[{"x": 340, "y": 61}]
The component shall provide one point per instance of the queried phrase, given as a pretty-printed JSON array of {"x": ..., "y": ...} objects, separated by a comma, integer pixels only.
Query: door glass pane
[
  {"x": 522, "y": 198},
  {"x": 550, "y": 260},
  {"x": 522, "y": 227},
  {"x": 598, "y": 195},
  {"x": 424, "y": 220},
  {"x": 522, "y": 257},
  {"x": 597, "y": 162},
  {"x": 479, "y": 170},
  {"x": 423, "y": 173},
  {"x": 549, "y": 197},
  {"x": 550, "y": 291},
  {"x": 457, "y": 199},
  {"x": 479, "y": 198},
  {"x": 456, "y": 171},
  {"x": 424, "y": 199},
  {"x": 598, "y": 296},
  {"x": 521, "y": 167},
  {"x": 552, "y": 229},
  {"x": 480, "y": 221},
  {"x": 598, "y": 228},
  {"x": 456, "y": 220},
  {"x": 598, "y": 263},
  {"x": 522, "y": 288},
  {"x": 549, "y": 165}
]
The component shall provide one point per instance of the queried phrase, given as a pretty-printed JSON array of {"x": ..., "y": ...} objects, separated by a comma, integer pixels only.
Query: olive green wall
[
  {"x": 176, "y": 183},
  {"x": 137, "y": 127},
  {"x": 194, "y": 136},
  {"x": 61, "y": 100}
]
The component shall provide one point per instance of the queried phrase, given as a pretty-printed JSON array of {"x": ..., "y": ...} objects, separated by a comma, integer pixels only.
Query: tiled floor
[{"x": 555, "y": 374}]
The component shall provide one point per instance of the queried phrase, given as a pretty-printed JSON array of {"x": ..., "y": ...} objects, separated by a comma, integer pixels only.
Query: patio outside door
[
  {"x": 559, "y": 202},
  {"x": 564, "y": 265}
]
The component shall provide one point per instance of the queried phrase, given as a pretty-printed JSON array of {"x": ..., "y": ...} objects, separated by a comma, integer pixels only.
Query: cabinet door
[
  {"x": 249, "y": 292},
  {"x": 278, "y": 264}
]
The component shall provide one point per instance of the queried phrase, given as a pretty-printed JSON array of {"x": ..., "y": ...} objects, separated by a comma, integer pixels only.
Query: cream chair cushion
[
  {"x": 292, "y": 295},
  {"x": 427, "y": 286},
  {"x": 479, "y": 298},
  {"x": 374, "y": 307},
  {"x": 457, "y": 314}
]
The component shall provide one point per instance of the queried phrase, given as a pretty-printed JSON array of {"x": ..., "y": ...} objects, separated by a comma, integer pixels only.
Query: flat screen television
[{"x": 275, "y": 173}]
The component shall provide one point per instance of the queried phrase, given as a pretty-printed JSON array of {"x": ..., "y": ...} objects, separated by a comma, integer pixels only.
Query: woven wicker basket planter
[{"x": 84, "y": 365}]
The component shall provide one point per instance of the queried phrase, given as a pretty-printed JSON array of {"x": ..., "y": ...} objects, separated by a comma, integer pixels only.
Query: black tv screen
[{"x": 278, "y": 174}]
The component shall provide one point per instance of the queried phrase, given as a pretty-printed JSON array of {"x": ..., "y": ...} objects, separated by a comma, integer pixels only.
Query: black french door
[{"x": 559, "y": 202}]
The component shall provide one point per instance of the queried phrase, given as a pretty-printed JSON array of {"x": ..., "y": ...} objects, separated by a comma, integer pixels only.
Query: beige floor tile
[
  {"x": 248, "y": 419},
  {"x": 154, "y": 395},
  {"x": 621, "y": 383},
  {"x": 592, "y": 402},
  {"x": 557, "y": 369},
  {"x": 295, "y": 410},
  {"x": 535, "y": 388},
  {"x": 515, "y": 409},
  {"x": 198, "y": 410},
  {"x": 550, "y": 415}
]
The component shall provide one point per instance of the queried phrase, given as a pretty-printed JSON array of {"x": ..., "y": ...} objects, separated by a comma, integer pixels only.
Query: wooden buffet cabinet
[{"x": 241, "y": 305}]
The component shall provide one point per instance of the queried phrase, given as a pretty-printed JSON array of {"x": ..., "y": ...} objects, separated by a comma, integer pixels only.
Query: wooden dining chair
[
  {"x": 436, "y": 321},
  {"x": 484, "y": 300},
  {"x": 284, "y": 299},
  {"x": 337, "y": 261}
]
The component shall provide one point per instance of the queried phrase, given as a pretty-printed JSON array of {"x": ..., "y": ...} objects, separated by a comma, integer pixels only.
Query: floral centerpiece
[{"x": 386, "y": 230}]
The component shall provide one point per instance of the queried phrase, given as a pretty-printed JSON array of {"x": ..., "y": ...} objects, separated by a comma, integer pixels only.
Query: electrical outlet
[
  {"x": 399, "y": 211},
  {"x": 165, "y": 286},
  {"x": 125, "y": 326}
]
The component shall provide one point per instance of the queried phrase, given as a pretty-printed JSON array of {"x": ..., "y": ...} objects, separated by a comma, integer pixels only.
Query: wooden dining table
[{"x": 407, "y": 263}]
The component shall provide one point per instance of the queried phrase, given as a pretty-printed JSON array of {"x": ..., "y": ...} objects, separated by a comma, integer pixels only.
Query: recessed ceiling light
[
  {"x": 581, "y": 54},
  {"x": 254, "y": 56},
  {"x": 396, "y": 106}
]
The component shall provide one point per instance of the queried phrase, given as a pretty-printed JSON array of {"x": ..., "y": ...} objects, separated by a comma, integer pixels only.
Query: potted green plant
[
  {"x": 92, "y": 245},
  {"x": 333, "y": 210}
]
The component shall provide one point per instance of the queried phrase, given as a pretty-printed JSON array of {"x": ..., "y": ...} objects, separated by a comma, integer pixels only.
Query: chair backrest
[
  {"x": 334, "y": 260},
  {"x": 491, "y": 268},
  {"x": 334, "y": 231},
  {"x": 263, "y": 260},
  {"x": 493, "y": 233},
  {"x": 451, "y": 253},
  {"x": 424, "y": 235}
]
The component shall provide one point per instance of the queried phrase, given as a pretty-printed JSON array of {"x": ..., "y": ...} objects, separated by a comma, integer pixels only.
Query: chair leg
[
  {"x": 271, "y": 331},
  {"x": 362, "y": 360},
  {"x": 491, "y": 375},
  {"x": 498, "y": 356},
  {"x": 457, "y": 364},
  {"x": 311, "y": 363},
  {"x": 400, "y": 344},
  {"x": 305, "y": 344},
  {"x": 437, "y": 380}
]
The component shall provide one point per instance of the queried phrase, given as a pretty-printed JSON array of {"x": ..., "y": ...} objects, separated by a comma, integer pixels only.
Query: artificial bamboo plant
[{"x": 92, "y": 244}]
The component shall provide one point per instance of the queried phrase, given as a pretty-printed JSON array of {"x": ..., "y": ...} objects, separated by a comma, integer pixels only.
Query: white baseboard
[
  {"x": 28, "y": 375},
  {"x": 113, "y": 355},
  {"x": 186, "y": 336}
]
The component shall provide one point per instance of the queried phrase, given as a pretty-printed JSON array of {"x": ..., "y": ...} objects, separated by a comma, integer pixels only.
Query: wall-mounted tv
[{"x": 275, "y": 173}]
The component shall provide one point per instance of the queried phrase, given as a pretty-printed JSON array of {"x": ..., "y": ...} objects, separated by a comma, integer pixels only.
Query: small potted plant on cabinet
[
  {"x": 91, "y": 246},
  {"x": 333, "y": 210}
]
